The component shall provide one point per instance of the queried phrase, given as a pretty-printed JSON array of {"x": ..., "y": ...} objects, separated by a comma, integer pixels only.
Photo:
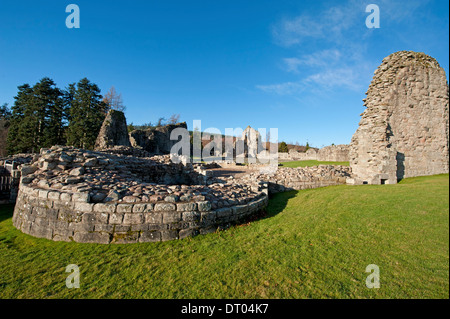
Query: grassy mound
[{"x": 312, "y": 244}]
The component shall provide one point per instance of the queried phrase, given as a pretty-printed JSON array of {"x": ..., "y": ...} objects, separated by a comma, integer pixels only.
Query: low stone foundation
[
  {"x": 333, "y": 153},
  {"x": 287, "y": 179},
  {"x": 63, "y": 216}
]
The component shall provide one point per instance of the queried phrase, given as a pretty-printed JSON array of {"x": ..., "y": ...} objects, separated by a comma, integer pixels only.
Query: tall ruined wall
[
  {"x": 155, "y": 140},
  {"x": 113, "y": 131},
  {"x": 404, "y": 131},
  {"x": 334, "y": 153}
]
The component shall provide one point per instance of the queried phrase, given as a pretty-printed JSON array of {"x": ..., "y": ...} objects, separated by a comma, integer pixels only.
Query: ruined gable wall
[{"x": 404, "y": 131}]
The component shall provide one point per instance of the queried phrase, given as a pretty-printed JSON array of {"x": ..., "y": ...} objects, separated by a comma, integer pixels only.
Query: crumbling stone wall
[
  {"x": 114, "y": 131},
  {"x": 85, "y": 196},
  {"x": 334, "y": 153},
  {"x": 309, "y": 155},
  {"x": 62, "y": 216},
  {"x": 287, "y": 179},
  {"x": 155, "y": 140},
  {"x": 404, "y": 131}
]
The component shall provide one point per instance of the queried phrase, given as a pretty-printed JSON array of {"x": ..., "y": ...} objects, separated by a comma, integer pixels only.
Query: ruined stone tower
[
  {"x": 404, "y": 132},
  {"x": 113, "y": 131}
]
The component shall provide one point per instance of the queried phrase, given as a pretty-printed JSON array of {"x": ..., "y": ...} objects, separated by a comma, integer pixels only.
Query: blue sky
[{"x": 300, "y": 66}]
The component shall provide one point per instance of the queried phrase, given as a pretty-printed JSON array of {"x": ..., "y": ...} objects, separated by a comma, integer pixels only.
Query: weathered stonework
[
  {"x": 287, "y": 179},
  {"x": 94, "y": 197},
  {"x": 52, "y": 215},
  {"x": 155, "y": 140},
  {"x": 332, "y": 153},
  {"x": 404, "y": 131},
  {"x": 113, "y": 132}
]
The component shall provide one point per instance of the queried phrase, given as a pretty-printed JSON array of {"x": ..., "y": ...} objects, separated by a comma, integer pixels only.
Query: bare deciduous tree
[
  {"x": 174, "y": 119},
  {"x": 114, "y": 100}
]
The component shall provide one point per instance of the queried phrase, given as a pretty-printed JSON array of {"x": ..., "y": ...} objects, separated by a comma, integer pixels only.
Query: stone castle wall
[{"x": 404, "y": 131}]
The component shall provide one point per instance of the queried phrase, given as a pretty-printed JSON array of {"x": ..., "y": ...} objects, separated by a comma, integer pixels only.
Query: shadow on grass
[
  {"x": 6, "y": 211},
  {"x": 277, "y": 203}
]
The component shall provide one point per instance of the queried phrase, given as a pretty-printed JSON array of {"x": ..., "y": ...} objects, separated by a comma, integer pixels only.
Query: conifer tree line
[{"x": 44, "y": 115}]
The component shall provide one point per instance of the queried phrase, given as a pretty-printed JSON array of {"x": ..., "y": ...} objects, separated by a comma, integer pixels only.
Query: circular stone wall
[{"x": 51, "y": 205}]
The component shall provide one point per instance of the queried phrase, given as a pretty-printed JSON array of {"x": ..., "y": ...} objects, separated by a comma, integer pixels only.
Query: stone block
[
  {"x": 204, "y": 206},
  {"x": 95, "y": 218},
  {"x": 54, "y": 195},
  {"x": 43, "y": 194},
  {"x": 116, "y": 218},
  {"x": 39, "y": 231},
  {"x": 133, "y": 218},
  {"x": 171, "y": 217},
  {"x": 81, "y": 197},
  {"x": 91, "y": 237},
  {"x": 165, "y": 207},
  {"x": 142, "y": 208},
  {"x": 184, "y": 233},
  {"x": 224, "y": 212},
  {"x": 124, "y": 208},
  {"x": 104, "y": 228},
  {"x": 150, "y": 237},
  {"x": 125, "y": 238},
  {"x": 66, "y": 197},
  {"x": 105, "y": 208},
  {"x": 153, "y": 218},
  {"x": 84, "y": 207},
  {"x": 186, "y": 207},
  {"x": 169, "y": 235},
  {"x": 191, "y": 216}
]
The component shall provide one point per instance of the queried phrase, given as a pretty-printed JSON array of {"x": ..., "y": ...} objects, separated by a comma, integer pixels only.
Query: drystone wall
[{"x": 404, "y": 131}]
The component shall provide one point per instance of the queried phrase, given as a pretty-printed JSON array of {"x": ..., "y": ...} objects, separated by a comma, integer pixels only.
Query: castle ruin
[{"x": 404, "y": 131}]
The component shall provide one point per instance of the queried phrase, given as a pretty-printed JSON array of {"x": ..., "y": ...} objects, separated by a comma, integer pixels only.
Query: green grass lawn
[
  {"x": 312, "y": 244},
  {"x": 310, "y": 163}
]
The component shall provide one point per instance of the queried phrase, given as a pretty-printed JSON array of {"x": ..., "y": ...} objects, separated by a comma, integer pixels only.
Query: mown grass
[
  {"x": 310, "y": 163},
  {"x": 312, "y": 244}
]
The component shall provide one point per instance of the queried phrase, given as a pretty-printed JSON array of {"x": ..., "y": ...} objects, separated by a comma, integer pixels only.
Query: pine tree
[
  {"x": 86, "y": 114},
  {"x": 5, "y": 117},
  {"x": 49, "y": 110},
  {"x": 5, "y": 112},
  {"x": 307, "y": 146},
  {"x": 18, "y": 140},
  {"x": 283, "y": 148}
]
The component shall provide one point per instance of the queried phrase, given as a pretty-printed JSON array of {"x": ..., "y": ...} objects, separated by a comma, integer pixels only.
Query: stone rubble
[{"x": 117, "y": 178}]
